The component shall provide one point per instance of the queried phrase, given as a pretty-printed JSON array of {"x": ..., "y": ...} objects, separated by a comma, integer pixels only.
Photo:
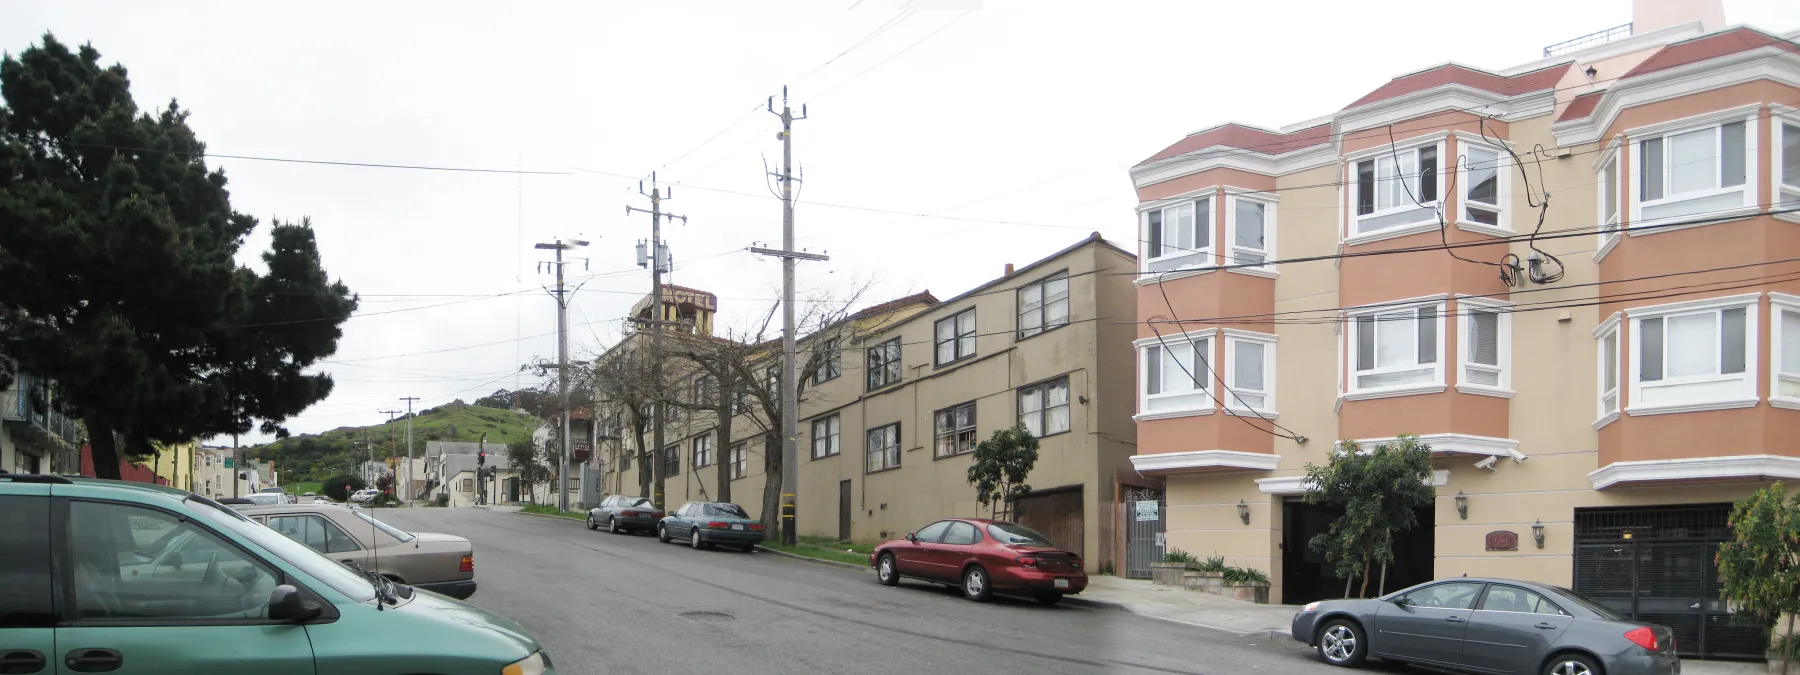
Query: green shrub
[
  {"x": 1785, "y": 647},
  {"x": 1238, "y": 575},
  {"x": 441, "y": 500},
  {"x": 1176, "y": 555},
  {"x": 1213, "y": 564}
]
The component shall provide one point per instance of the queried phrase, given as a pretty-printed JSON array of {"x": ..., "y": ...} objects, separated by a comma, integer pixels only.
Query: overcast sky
[{"x": 1024, "y": 112}]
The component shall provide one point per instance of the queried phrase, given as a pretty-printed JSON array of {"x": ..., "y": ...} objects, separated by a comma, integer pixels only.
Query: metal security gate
[
  {"x": 1144, "y": 511},
  {"x": 1656, "y": 564}
]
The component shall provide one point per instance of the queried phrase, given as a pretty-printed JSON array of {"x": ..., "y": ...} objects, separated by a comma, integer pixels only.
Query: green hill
[{"x": 315, "y": 457}]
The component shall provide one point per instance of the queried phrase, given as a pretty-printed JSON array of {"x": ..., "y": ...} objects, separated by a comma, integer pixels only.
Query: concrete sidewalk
[{"x": 1203, "y": 610}]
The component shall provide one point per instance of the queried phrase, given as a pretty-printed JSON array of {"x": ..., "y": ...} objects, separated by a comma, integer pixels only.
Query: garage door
[{"x": 1057, "y": 514}]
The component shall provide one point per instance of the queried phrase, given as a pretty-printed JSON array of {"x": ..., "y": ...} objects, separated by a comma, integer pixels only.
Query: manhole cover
[{"x": 706, "y": 616}]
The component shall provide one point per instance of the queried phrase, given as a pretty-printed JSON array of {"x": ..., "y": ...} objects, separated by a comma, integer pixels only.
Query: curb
[
  {"x": 845, "y": 565},
  {"x": 546, "y": 515},
  {"x": 1268, "y": 633}
]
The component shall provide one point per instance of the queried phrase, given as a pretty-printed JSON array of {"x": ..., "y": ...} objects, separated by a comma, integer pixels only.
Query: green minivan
[{"x": 100, "y": 576}]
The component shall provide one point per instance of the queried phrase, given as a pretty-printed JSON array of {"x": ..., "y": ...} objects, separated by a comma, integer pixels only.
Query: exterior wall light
[
  {"x": 1462, "y": 505},
  {"x": 1537, "y": 532},
  {"x": 1243, "y": 512}
]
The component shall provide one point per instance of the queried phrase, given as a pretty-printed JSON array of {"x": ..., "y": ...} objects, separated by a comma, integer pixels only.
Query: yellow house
[{"x": 174, "y": 462}]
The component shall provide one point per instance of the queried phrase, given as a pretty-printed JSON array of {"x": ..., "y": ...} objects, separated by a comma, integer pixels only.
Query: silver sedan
[
  {"x": 1489, "y": 626},
  {"x": 435, "y": 562}
]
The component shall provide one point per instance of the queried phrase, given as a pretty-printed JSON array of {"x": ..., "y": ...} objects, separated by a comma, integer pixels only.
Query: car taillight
[
  {"x": 718, "y": 525},
  {"x": 1642, "y": 637},
  {"x": 1026, "y": 560},
  {"x": 1076, "y": 562},
  {"x": 629, "y": 514},
  {"x": 756, "y": 527},
  {"x": 468, "y": 563}
]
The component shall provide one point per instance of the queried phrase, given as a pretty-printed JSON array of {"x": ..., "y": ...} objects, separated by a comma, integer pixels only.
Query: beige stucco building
[
  {"x": 1640, "y": 372},
  {"x": 885, "y": 428}
]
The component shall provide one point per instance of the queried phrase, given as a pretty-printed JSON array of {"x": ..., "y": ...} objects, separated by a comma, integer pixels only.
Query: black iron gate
[
  {"x": 1656, "y": 564},
  {"x": 1143, "y": 512}
]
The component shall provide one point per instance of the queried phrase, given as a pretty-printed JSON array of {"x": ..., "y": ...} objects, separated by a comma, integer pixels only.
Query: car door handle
[
  {"x": 93, "y": 660},
  {"x": 22, "y": 661},
  {"x": 1453, "y": 619},
  {"x": 1547, "y": 625}
]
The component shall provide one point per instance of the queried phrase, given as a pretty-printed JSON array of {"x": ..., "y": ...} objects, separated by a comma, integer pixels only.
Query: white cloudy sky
[{"x": 1023, "y": 112}]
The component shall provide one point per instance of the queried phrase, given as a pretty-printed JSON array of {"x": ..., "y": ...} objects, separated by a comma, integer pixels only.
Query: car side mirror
[
  {"x": 1401, "y": 600},
  {"x": 286, "y": 604},
  {"x": 912, "y": 537}
]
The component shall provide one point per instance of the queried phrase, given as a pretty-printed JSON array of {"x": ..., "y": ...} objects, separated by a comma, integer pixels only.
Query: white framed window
[
  {"x": 1178, "y": 235},
  {"x": 1485, "y": 353},
  {"x": 1784, "y": 338},
  {"x": 955, "y": 337},
  {"x": 1176, "y": 374},
  {"x": 826, "y": 433},
  {"x": 1251, "y": 231},
  {"x": 1606, "y": 341},
  {"x": 1606, "y": 182},
  {"x": 1249, "y": 373},
  {"x": 1485, "y": 183},
  {"x": 1695, "y": 355},
  {"x": 1785, "y": 164},
  {"x": 1394, "y": 348},
  {"x": 884, "y": 447},
  {"x": 1693, "y": 168},
  {"x": 1395, "y": 188}
]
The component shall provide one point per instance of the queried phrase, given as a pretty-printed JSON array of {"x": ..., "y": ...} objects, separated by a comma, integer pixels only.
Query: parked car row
[
  {"x": 1487, "y": 625},
  {"x": 699, "y": 524}
]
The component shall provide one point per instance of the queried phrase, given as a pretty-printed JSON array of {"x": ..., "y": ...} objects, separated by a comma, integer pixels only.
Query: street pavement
[{"x": 603, "y": 603}]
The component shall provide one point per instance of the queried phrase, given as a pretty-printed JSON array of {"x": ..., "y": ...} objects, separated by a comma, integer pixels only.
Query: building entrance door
[{"x": 1655, "y": 564}]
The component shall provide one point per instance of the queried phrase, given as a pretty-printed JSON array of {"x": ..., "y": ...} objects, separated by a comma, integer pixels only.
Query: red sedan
[{"x": 983, "y": 557}]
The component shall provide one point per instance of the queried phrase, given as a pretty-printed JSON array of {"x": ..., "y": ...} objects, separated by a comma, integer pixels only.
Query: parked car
[
  {"x": 703, "y": 524},
  {"x": 982, "y": 557},
  {"x": 441, "y": 563},
  {"x": 1490, "y": 625},
  {"x": 362, "y": 496},
  {"x": 161, "y": 580},
  {"x": 620, "y": 513},
  {"x": 322, "y": 500},
  {"x": 269, "y": 498}
]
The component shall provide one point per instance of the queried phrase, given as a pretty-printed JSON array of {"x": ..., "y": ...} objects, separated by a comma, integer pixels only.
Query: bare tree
[{"x": 623, "y": 381}]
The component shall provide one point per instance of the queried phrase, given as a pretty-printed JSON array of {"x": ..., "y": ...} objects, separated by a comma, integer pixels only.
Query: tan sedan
[{"x": 434, "y": 562}]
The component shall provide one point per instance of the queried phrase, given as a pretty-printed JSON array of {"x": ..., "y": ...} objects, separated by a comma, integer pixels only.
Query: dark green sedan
[{"x": 703, "y": 524}]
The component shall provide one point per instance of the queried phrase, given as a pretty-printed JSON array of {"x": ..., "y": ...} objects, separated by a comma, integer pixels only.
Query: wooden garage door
[{"x": 1057, "y": 514}]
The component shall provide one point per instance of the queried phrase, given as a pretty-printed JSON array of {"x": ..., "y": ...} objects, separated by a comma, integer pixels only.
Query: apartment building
[
  {"x": 34, "y": 437},
  {"x": 214, "y": 472},
  {"x": 905, "y": 390},
  {"x": 1592, "y": 414}
]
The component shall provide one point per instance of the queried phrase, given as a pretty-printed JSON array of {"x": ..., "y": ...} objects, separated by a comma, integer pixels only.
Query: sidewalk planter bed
[
  {"x": 1247, "y": 591},
  {"x": 1168, "y": 573},
  {"x": 1208, "y": 582}
]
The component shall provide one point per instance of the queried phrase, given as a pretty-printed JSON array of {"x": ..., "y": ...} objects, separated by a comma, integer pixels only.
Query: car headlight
[
  {"x": 1310, "y": 607},
  {"x": 536, "y": 664}
]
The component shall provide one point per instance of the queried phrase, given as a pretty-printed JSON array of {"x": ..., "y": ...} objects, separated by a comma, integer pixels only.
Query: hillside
[{"x": 316, "y": 457}]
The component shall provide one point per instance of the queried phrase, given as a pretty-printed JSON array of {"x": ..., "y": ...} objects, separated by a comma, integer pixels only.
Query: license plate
[
  {"x": 1062, "y": 583},
  {"x": 737, "y": 526}
]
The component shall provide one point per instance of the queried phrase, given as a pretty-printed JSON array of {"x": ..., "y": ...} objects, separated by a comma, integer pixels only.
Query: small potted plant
[{"x": 1168, "y": 572}]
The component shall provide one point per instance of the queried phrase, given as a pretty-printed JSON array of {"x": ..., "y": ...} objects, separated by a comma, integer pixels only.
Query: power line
[{"x": 896, "y": 55}]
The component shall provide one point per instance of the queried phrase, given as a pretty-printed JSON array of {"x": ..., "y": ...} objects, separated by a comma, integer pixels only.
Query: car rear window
[
  {"x": 1020, "y": 535},
  {"x": 726, "y": 510},
  {"x": 1591, "y": 606}
]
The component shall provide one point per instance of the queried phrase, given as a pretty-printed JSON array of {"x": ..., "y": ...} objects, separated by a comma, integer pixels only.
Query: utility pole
[
  {"x": 562, "y": 363},
  {"x": 409, "y": 448},
  {"x": 790, "y": 390},
  {"x": 658, "y": 260}
]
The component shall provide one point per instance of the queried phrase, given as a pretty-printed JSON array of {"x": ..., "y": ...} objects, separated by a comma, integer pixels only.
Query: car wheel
[
  {"x": 1048, "y": 599},
  {"x": 976, "y": 584},
  {"x": 886, "y": 571},
  {"x": 694, "y": 540},
  {"x": 662, "y": 534},
  {"x": 1571, "y": 664},
  {"x": 612, "y": 525},
  {"x": 749, "y": 548},
  {"x": 1342, "y": 644},
  {"x": 591, "y": 524}
]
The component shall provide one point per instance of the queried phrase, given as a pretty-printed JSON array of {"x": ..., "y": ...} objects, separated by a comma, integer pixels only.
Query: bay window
[
  {"x": 1486, "y": 353},
  {"x": 1394, "y": 350},
  {"x": 1607, "y": 182},
  {"x": 1694, "y": 170},
  {"x": 1693, "y": 355},
  {"x": 1787, "y": 160},
  {"x": 1249, "y": 373},
  {"x": 1608, "y": 344},
  {"x": 1178, "y": 235},
  {"x": 1484, "y": 183},
  {"x": 1252, "y": 232},
  {"x": 1175, "y": 373},
  {"x": 1784, "y": 387},
  {"x": 1391, "y": 186}
]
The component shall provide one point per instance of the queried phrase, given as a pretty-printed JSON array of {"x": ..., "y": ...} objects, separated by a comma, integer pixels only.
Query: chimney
[{"x": 1009, "y": 269}]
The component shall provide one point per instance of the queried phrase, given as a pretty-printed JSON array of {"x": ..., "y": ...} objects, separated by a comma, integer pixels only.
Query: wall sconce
[
  {"x": 1243, "y": 512},
  {"x": 1462, "y": 505},
  {"x": 1537, "y": 532}
]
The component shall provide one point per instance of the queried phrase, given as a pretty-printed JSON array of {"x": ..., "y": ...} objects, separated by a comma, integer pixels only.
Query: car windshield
[
  {"x": 389, "y": 529},
  {"x": 326, "y": 570},
  {"x": 1012, "y": 533},
  {"x": 726, "y": 511},
  {"x": 1591, "y": 606}
]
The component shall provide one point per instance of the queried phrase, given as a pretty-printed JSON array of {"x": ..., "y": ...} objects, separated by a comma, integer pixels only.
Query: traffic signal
[{"x": 481, "y": 458}]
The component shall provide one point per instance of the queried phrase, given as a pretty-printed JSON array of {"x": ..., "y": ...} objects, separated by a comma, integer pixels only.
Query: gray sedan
[
  {"x": 1488, "y": 626},
  {"x": 621, "y": 513}
]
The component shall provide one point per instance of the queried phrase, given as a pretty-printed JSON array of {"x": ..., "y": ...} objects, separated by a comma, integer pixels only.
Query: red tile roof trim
[
  {"x": 1708, "y": 47},
  {"x": 1245, "y": 138},
  {"x": 1537, "y": 80},
  {"x": 1581, "y": 106}
]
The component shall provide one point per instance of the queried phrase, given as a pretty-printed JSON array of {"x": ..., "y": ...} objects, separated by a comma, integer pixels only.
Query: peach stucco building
[{"x": 1641, "y": 372}]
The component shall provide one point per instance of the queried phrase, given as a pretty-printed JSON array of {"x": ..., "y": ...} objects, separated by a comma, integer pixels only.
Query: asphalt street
[{"x": 604, "y": 603}]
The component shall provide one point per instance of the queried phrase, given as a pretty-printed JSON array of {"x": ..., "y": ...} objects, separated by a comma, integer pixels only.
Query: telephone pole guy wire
[{"x": 790, "y": 391}]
